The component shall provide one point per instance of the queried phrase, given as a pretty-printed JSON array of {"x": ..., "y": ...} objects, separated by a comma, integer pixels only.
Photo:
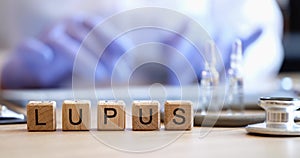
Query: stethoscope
[{"x": 280, "y": 115}]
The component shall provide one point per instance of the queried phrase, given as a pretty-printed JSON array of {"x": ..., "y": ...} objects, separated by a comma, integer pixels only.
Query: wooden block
[
  {"x": 41, "y": 116},
  {"x": 178, "y": 115},
  {"x": 145, "y": 115},
  {"x": 76, "y": 115},
  {"x": 111, "y": 115}
]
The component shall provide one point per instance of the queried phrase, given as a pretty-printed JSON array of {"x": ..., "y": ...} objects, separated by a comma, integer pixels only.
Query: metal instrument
[{"x": 280, "y": 115}]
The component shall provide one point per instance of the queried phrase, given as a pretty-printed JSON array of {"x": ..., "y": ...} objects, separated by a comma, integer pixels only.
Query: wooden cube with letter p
[
  {"x": 76, "y": 115},
  {"x": 111, "y": 115},
  {"x": 145, "y": 115},
  {"x": 178, "y": 115},
  {"x": 41, "y": 116}
]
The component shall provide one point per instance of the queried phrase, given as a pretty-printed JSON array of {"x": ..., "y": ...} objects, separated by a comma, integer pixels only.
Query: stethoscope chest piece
[{"x": 280, "y": 116}]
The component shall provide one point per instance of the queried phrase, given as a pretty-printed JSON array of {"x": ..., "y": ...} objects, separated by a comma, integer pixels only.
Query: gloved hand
[
  {"x": 260, "y": 32},
  {"x": 196, "y": 57},
  {"x": 47, "y": 61}
]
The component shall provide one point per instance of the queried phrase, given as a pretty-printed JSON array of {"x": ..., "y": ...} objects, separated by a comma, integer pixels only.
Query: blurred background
[
  {"x": 15, "y": 30},
  {"x": 291, "y": 40}
]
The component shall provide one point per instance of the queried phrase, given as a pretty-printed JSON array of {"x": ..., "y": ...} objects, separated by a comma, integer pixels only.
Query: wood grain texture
[
  {"x": 145, "y": 115},
  {"x": 41, "y": 116},
  {"x": 76, "y": 115},
  {"x": 178, "y": 115},
  {"x": 111, "y": 115}
]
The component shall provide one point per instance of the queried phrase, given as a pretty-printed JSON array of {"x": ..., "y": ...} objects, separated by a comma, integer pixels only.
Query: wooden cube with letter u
[
  {"x": 111, "y": 115},
  {"x": 76, "y": 115},
  {"x": 145, "y": 115},
  {"x": 178, "y": 115},
  {"x": 41, "y": 116}
]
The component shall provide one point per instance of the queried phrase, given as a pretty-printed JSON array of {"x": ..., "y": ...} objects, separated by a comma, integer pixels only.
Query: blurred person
[{"x": 44, "y": 37}]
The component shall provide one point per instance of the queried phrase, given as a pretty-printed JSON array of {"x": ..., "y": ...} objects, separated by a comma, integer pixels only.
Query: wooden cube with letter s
[{"x": 178, "y": 115}]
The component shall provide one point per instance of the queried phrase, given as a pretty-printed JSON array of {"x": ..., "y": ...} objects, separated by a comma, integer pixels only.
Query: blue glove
[
  {"x": 47, "y": 61},
  {"x": 195, "y": 58}
]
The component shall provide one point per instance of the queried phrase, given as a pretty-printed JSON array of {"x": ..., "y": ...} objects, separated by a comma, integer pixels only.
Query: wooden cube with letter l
[
  {"x": 178, "y": 115},
  {"x": 76, "y": 115},
  {"x": 41, "y": 116},
  {"x": 111, "y": 115},
  {"x": 145, "y": 115}
]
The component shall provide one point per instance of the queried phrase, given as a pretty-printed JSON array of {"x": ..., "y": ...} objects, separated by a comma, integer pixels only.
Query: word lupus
[{"x": 111, "y": 115}]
